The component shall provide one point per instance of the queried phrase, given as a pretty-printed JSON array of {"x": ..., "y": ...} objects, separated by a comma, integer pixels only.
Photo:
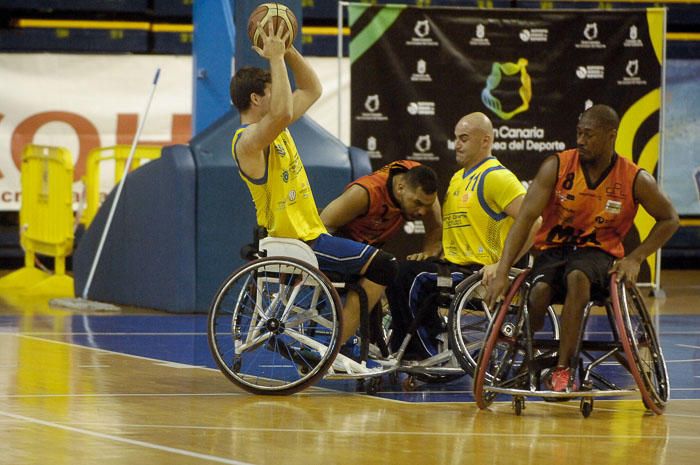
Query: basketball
[{"x": 280, "y": 15}]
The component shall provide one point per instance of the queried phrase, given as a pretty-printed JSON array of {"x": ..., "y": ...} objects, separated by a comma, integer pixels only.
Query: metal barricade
[
  {"x": 46, "y": 220},
  {"x": 96, "y": 158}
]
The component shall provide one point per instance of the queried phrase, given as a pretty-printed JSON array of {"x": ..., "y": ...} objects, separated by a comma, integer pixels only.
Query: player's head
[
  {"x": 596, "y": 132},
  {"x": 250, "y": 84},
  {"x": 473, "y": 139},
  {"x": 416, "y": 191}
]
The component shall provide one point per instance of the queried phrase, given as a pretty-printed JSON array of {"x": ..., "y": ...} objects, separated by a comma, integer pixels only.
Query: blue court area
[{"x": 182, "y": 339}]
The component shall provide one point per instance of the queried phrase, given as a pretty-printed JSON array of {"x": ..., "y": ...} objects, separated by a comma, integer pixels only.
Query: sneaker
[{"x": 559, "y": 380}]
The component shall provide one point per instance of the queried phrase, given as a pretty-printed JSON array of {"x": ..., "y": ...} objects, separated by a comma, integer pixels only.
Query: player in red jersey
[{"x": 588, "y": 198}]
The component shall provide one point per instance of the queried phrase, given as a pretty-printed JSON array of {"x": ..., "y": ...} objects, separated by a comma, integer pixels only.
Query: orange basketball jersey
[
  {"x": 583, "y": 214},
  {"x": 383, "y": 217}
]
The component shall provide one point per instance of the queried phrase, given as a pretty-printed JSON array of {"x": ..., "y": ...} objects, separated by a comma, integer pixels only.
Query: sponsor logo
[
  {"x": 421, "y": 108},
  {"x": 422, "y": 153},
  {"x": 372, "y": 148},
  {"x": 414, "y": 227},
  {"x": 292, "y": 195},
  {"x": 494, "y": 80},
  {"x": 590, "y": 72},
  {"x": 423, "y": 143},
  {"x": 590, "y": 37},
  {"x": 633, "y": 39},
  {"x": 372, "y": 112},
  {"x": 632, "y": 77},
  {"x": 421, "y": 35},
  {"x": 372, "y": 103},
  {"x": 613, "y": 207},
  {"x": 421, "y": 74},
  {"x": 285, "y": 176},
  {"x": 371, "y": 143},
  {"x": 480, "y": 39},
  {"x": 534, "y": 35}
]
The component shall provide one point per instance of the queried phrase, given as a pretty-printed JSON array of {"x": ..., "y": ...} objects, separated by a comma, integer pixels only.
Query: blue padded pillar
[
  {"x": 220, "y": 34},
  {"x": 148, "y": 258}
]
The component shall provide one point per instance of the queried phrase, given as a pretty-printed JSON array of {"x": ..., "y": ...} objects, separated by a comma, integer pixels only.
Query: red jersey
[
  {"x": 383, "y": 217},
  {"x": 584, "y": 214}
]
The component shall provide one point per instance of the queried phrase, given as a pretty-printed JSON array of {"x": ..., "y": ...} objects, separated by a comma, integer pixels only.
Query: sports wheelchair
[
  {"x": 513, "y": 361},
  {"x": 461, "y": 306},
  {"x": 274, "y": 325}
]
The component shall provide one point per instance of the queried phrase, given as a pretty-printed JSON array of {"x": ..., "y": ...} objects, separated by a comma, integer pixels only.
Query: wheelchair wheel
[
  {"x": 469, "y": 318},
  {"x": 644, "y": 356},
  {"x": 501, "y": 362},
  {"x": 274, "y": 326},
  {"x": 467, "y": 322}
]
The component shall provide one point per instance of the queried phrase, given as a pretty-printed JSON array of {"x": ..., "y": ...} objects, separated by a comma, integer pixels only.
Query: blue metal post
[{"x": 220, "y": 34}]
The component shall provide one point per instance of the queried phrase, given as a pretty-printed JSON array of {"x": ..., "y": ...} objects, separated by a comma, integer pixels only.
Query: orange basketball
[{"x": 280, "y": 15}]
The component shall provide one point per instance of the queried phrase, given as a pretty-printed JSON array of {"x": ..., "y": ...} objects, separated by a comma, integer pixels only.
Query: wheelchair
[
  {"x": 627, "y": 360},
  {"x": 465, "y": 317},
  {"x": 274, "y": 325}
]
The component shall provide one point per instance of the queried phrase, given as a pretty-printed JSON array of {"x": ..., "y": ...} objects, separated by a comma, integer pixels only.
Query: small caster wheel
[
  {"x": 409, "y": 384},
  {"x": 372, "y": 386},
  {"x": 518, "y": 405},
  {"x": 586, "y": 407}
]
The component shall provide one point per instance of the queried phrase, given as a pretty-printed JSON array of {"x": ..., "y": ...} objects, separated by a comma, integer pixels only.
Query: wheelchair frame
[
  {"x": 512, "y": 360},
  {"x": 467, "y": 321}
]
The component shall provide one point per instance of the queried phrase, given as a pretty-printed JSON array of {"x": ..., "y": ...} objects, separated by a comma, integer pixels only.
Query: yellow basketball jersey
[
  {"x": 474, "y": 223},
  {"x": 284, "y": 203}
]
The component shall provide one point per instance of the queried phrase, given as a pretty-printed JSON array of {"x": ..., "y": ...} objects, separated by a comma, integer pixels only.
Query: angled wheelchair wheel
[
  {"x": 274, "y": 326},
  {"x": 501, "y": 363},
  {"x": 467, "y": 322},
  {"x": 645, "y": 359},
  {"x": 469, "y": 319}
]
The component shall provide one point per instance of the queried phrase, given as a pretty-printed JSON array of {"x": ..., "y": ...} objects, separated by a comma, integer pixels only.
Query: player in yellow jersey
[
  {"x": 588, "y": 198},
  {"x": 270, "y": 165},
  {"x": 481, "y": 202}
]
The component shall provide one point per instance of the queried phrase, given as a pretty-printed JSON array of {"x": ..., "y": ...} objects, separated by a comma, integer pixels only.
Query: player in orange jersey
[
  {"x": 373, "y": 208},
  {"x": 588, "y": 198}
]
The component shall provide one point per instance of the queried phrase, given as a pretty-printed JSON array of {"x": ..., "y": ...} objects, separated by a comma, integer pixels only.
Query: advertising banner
[
  {"x": 82, "y": 102},
  {"x": 416, "y": 71},
  {"x": 681, "y": 173}
]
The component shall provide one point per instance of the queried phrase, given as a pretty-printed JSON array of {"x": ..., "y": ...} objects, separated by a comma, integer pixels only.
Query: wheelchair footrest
[{"x": 560, "y": 395}]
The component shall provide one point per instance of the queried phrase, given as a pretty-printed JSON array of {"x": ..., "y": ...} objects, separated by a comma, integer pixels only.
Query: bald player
[{"x": 482, "y": 200}]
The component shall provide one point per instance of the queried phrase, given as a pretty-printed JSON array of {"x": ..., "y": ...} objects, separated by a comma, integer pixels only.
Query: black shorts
[{"x": 553, "y": 266}]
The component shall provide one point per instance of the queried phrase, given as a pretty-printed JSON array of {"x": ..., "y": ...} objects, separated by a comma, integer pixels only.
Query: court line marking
[
  {"x": 132, "y": 442},
  {"x": 364, "y": 432},
  {"x": 314, "y": 390},
  {"x": 687, "y": 346},
  {"x": 106, "y": 351},
  {"x": 130, "y": 394}
]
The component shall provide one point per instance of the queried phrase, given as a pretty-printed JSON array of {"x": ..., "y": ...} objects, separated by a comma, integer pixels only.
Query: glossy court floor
[{"x": 138, "y": 387}]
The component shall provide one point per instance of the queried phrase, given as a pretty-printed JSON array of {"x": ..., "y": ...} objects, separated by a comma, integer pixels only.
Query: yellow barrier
[
  {"x": 46, "y": 221},
  {"x": 118, "y": 153}
]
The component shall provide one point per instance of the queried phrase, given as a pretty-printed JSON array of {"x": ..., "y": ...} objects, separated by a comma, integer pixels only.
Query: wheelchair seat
[{"x": 289, "y": 248}]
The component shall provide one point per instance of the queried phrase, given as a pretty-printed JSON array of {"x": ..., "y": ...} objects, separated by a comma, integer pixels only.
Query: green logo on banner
[{"x": 494, "y": 80}]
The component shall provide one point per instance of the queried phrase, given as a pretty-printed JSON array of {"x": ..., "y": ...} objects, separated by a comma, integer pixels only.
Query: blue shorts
[{"x": 341, "y": 258}]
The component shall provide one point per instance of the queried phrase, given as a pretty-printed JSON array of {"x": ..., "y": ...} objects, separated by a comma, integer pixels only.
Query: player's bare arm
[{"x": 353, "y": 202}]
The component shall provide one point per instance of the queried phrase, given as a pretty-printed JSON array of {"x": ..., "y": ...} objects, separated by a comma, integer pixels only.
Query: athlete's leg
[{"x": 578, "y": 294}]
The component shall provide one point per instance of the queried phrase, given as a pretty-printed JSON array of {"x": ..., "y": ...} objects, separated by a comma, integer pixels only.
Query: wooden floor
[{"x": 74, "y": 390}]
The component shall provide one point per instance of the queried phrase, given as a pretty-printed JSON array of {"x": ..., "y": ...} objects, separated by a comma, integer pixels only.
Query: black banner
[{"x": 416, "y": 71}]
